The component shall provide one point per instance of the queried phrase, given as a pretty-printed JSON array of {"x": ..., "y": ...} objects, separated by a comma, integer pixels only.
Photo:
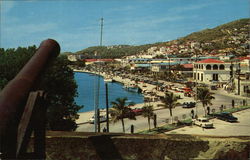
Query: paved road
[
  {"x": 162, "y": 115},
  {"x": 221, "y": 128}
]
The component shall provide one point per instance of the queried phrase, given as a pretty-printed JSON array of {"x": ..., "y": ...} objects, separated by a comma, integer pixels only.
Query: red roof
[
  {"x": 243, "y": 58},
  {"x": 210, "y": 61},
  {"x": 187, "y": 65},
  {"x": 90, "y": 60},
  {"x": 102, "y": 60}
]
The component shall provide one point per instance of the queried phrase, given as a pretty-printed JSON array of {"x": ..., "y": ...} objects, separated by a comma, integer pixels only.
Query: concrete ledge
[{"x": 94, "y": 146}]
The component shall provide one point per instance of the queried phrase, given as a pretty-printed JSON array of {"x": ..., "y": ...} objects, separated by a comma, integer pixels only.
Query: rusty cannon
[{"x": 18, "y": 102}]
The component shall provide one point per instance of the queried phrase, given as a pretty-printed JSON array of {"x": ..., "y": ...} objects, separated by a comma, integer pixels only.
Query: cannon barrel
[{"x": 16, "y": 92}]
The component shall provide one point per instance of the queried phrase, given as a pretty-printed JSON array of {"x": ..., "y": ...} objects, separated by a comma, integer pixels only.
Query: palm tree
[
  {"x": 205, "y": 97},
  {"x": 170, "y": 102},
  {"x": 147, "y": 111},
  {"x": 120, "y": 110}
]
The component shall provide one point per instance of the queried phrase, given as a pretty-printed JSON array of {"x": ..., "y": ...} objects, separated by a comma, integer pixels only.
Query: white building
[
  {"x": 211, "y": 70},
  {"x": 72, "y": 57},
  {"x": 242, "y": 81},
  {"x": 152, "y": 50}
]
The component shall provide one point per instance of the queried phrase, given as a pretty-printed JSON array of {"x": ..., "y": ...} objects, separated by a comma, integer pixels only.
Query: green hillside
[
  {"x": 217, "y": 33},
  {"x": 232, "y": 36},
  {"x": 113, "y": 51}
]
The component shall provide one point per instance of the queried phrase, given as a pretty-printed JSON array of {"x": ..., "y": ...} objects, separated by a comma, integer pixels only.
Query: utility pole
[
  {"x": 101, "y": 31},
  {"x": 169, "y": 68},
  {"x": 196, "y": 86},
  {"x": 97, "y": 92},
  {"x": 107, "y": 106},
  {"x": 239, "y": 79}
]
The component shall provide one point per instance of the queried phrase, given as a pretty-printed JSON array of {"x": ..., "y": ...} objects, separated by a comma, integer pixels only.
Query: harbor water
[{"x": 86, "y": 92}]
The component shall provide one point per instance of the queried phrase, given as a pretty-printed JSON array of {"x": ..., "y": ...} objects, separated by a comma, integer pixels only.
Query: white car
[
  {"x": 203, "y": 122},
  {"x": 102, "y": 119}
]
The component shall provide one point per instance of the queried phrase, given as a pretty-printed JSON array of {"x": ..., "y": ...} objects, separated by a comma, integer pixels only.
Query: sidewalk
[{"x": 221, "y": 91}]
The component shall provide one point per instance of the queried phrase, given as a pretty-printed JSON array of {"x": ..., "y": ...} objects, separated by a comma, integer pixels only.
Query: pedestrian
[
  {"x": 104, "y": 129},
  {"x": 132, "y": 129},
  {"x": 221, "y": 108},
  {"x": 208, "y": 110},
  {"x": 192, "y": 113}
]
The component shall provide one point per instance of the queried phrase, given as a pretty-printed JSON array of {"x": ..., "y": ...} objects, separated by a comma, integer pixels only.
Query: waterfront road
[
  {"x": 162, "y": 114},
  {"x": 221, "y": 128}
]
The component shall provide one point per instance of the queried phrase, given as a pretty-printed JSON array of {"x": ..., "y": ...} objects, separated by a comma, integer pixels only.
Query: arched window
[
  {"x": 222, "y": 67},
  {"x": 208, "y": 67},
  {"x": 215, "y": 67}
]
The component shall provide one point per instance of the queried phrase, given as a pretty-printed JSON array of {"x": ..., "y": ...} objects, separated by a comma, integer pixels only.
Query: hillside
[
  {"x": 220, "y": 32},
  {"x": 231, "y": 37}
]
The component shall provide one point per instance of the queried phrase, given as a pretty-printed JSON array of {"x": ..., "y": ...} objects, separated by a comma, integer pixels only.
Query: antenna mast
[
  {"x": 101, "y": 31},
  {"x": 97, "y": 91}
]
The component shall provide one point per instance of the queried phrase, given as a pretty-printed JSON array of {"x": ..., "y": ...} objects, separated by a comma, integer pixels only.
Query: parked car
[
  {"x": 213, "y": 87},
  {"x": 137, "y": 111},
  {"x": 188, "y": 104},
  {"x": 225, "y": 116},
  {"x": 102, "y": 119},
  {"x": 203, "y": 122}
]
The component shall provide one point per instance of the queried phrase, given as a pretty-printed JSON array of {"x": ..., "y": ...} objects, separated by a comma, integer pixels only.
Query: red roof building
[
  {"x": 188, "y": 66},
  {"x": 210, "y": 61},
  {"x": 243, "y": 58}
]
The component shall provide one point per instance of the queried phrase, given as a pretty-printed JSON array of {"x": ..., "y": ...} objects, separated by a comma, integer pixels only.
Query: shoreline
[
  {"x": 85, "y": 116},
  {"x": 145, "y": 87}
]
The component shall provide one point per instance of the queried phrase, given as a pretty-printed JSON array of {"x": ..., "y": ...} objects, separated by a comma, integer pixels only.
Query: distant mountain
[
  {"x": 233, "y": 36},
  {"x": 112, "y": 51}
]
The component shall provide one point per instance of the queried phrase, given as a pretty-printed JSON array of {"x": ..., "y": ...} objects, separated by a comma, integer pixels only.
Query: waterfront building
[
  {"x": 242, "y": 79},
  {"x": 187, "y": 70},
  {"x": 140, "y": 67},
  {"x": 210, "y": 71}
]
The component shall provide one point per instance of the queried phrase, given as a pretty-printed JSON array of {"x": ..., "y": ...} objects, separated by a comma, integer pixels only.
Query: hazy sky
[{"x": 75, "y": 24}]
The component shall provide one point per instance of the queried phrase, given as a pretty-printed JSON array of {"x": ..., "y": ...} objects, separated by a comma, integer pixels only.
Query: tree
[
  {"x": 120, "y": 110},
  {"x": 147, "y": 111},
  {"x": 170, "y": 102},
  {"x": 62, "y": 112},
  {"x": 57, "y": 81},
  {"x": 205, "y": 97}
]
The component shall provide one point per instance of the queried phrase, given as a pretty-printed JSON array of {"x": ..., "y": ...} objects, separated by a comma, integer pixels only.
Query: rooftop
[{"x": 210, "y": 61}]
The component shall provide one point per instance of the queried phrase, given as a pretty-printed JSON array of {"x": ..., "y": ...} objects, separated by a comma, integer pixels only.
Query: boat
[
  {"x": 131, "y": 87},
  {"x": 108, "y": 79}
]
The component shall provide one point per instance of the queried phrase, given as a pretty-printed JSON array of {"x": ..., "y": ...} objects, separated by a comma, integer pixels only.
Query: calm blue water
[{"x": 86, "y": 84}]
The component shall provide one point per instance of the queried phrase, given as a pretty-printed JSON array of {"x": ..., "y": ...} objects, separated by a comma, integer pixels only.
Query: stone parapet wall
[{"x": 91, "y": 146}]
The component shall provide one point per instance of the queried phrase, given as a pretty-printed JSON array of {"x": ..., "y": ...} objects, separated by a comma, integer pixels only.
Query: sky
[{"x": 75, "y": 24}]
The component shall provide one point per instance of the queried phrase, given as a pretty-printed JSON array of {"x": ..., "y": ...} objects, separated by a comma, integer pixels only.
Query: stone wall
[{"x": 90, "y": 146}]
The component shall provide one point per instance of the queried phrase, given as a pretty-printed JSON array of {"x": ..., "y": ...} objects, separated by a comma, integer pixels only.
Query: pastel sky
[{"x": 75, "y": 24}]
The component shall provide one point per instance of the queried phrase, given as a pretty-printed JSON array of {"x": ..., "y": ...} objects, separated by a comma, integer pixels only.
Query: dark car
[
  {"x": 225, "y": 116},
  {"x": 188, "y": 104}
]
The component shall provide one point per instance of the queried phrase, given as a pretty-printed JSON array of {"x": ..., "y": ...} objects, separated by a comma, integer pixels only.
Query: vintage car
[
  {"x": 225, "y": 116},
  {"x": 203, "y": 122}
]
